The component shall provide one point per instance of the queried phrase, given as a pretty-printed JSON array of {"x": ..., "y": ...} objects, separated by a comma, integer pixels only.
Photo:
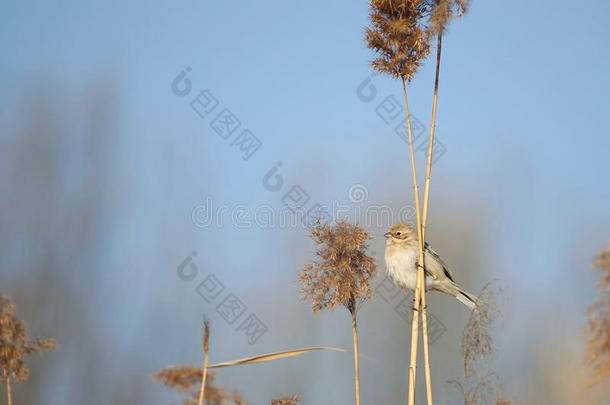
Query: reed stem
[
  {"x": 9, "y": 387},
  {"x": 206, "y": 351},
  {"x": 439, "y": 48},
  {"x": 203, "y": 378},
  {"x": 356, "y": 360},
  {"x": 420, "y": 269},
  {"x": 425, "y": 213}
]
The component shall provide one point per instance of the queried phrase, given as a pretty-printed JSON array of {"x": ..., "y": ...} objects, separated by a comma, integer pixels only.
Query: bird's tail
[{"x": 467, "y": 299}]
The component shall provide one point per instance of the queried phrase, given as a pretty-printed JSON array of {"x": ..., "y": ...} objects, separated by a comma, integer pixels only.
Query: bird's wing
[{"x": 434, "y": 264}]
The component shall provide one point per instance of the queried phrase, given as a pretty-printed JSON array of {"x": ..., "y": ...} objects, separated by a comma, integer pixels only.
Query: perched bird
[{"x": 401, "y": 255}]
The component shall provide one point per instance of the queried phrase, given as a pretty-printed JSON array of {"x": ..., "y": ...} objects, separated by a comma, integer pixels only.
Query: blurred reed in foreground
[
  {"x": 14, "y": 346},
  {"x": 598, "y": 345},
  {"x": 187, "y": 379},
  {"x": 478, "y": 386}
]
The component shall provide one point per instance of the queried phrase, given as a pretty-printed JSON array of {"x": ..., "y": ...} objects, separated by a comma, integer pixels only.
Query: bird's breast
[{"x": 400, "y": 262}]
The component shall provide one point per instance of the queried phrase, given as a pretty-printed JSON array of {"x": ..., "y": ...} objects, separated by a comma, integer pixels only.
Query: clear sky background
[{"x": 521, "y": 194}]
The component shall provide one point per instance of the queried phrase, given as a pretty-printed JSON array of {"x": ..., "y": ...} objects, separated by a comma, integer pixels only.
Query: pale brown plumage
[{"x": 401, "y": 258}]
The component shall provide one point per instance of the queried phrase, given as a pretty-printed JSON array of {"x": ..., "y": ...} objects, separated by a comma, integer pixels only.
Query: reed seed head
[
  {"x": 398, "y": 36},
  {"x": 477, "y": 338},
  {"x": 14, "y": 343},
  {"x": 342, "y": 271},
  {"x": 206, "y": 336},
  {"x": 187, "y": 379},
  {"x": 441, "y": 13},
  {"x": 598, "y": 345},
  {"x": 181, "y": 378}
]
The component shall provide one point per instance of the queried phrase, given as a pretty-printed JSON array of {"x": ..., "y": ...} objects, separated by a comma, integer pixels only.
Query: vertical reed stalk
[
  {"x": 356, "y": 361},
  {"x": 425, "y": 212},
  {"x": 439, "y": 48},
  {"x": 206, "y": 351},
  {"x": 424, "y": 317},
  {"x": 419, "y": 292},
  {"x": 203, "y": 378},
  {"x": 9, "y": 388}
]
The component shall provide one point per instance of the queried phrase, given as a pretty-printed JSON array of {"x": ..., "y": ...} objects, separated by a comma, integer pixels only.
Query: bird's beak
[{"x": 387, "y": 234}]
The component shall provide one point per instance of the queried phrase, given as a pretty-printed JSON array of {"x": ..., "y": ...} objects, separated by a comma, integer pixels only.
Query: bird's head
[{"x": 401, "y": 233}]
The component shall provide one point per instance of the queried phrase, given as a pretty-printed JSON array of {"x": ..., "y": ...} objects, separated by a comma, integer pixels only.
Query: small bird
[{"x": 401, "y": 256}]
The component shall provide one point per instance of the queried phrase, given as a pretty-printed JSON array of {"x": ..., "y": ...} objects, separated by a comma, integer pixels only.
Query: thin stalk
[
  {"x": 206, "y": 351},
  {"x": 424, "y": 317},
  {"x": 420, "y": 276},
  {"x": 356, "y": 361},
  {"x": 439, "y": 48},
  {"x": 425, "y": 212},
  {"x": 9, "y": 388},
  {"x": 203, "y": 378}
]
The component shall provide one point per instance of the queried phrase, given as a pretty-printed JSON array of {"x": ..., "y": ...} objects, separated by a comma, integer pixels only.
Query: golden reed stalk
[
  {"x": 9, "y": 388},
  {"x": 356, "y": 361},
  {"x": 426, "y": 204},
  {"x": 419, "y": 291}
]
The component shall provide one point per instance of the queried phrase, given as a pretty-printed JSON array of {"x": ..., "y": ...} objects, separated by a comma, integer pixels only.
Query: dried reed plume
[
  {"x": 14, "y": 345},
  {"x": 478, "y": 392},
  {"x": 477, "y": 338},
  {"x": 341, "y": 274},
  {"x": 291, "y": 400},
  {"x": 343, "y": 270},
  {"x": 481, "y": 391},
  {"x": 398, "y": 37},
  {"x": 441, "y": 13},
  {"x": 598, "y": 346},
  {"x": 477, "y": 345},
  {"x": 187, "y": 379}
]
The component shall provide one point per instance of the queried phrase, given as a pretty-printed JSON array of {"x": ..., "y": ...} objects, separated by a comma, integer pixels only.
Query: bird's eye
[{"x": 397, "y": 233}]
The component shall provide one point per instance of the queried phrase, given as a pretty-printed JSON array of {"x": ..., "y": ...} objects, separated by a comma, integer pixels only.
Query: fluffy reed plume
[
  {"x": 598, "y": 345},
  {"x": 343, "y": 270},
  {"x": 341, "y": 274},
  {"x": 14, "y": 345},
  {"x": 477, "y": 338},
  {"x": 206, "y": 352},
  {"x": 477, "y": 345},
  {"x": 187, "y": 380},
  {"x": 292, "y": 400},
  {"x": 398, "y": 36},
  {"x": 441, "y": 13}
]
